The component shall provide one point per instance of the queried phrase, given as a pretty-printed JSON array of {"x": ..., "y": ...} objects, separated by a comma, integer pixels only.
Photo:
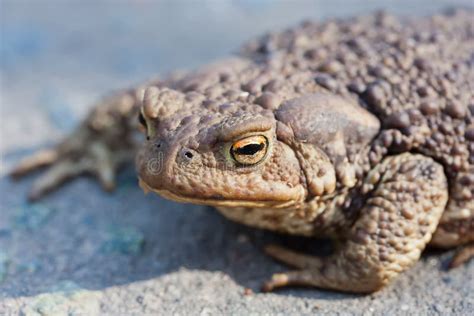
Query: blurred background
[{"x": 56, "y": 59}]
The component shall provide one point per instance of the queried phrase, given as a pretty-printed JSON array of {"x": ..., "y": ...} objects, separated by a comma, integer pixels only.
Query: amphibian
[{"x": 358, "y": 129}]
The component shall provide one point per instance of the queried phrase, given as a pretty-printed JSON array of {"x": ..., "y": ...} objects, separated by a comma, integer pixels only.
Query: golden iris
[{"x": 250, "y": 150}]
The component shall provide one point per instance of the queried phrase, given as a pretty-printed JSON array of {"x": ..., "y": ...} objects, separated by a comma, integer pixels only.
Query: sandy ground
[{"x": 81, "y": 251}]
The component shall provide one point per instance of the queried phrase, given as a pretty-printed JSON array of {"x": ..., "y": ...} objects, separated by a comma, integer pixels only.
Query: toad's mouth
[{"x": 214, "y": 202}]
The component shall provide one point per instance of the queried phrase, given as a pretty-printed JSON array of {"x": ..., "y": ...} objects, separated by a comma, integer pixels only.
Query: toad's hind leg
[
  {"x": 401, "y": 213},
  {"x": 102, "y": 143},
  {"x": 456, "y": 227}
]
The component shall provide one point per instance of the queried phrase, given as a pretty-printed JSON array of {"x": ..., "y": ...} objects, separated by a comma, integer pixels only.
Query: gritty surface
[{"x": 125, "y": 253}]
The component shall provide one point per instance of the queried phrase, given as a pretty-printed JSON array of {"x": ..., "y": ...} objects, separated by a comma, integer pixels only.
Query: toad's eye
[
  {"x": 143, "y": 124},
  {"x": 142, "y": 120},
  {"x": 250, "y": 150}
]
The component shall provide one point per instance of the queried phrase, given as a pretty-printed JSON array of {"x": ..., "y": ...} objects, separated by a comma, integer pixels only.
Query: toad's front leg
[
  {"x": 102, "y": 143},
  {"x": 395, "y": 224}
]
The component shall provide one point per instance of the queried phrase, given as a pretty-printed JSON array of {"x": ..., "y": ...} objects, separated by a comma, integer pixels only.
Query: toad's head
[
  {"x": 240, "y": 154},
  {"x": 215, "y": 154}
]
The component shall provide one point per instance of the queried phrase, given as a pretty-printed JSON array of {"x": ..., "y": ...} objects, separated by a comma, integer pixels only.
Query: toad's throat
[{"x": 215, "y": 202}]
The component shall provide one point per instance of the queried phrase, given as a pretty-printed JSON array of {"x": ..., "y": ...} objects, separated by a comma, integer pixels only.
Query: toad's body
[{"x": 361, "y": 129}]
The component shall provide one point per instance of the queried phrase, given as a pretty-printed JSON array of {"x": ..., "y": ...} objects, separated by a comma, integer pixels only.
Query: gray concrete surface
[{"x": 81, "y": 251}]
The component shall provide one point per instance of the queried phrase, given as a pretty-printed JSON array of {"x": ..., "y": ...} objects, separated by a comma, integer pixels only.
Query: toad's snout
[{"x": 156, "y": 163}]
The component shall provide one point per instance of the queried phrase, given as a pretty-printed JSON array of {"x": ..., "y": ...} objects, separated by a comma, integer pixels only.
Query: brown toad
[{"x": 359, "y": 129}]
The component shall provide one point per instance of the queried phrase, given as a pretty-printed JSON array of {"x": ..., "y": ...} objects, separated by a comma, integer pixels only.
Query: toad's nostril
[{"x": 186, "y": 155}]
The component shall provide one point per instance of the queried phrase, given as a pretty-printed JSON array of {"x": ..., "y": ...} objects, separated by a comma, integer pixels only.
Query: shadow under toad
[{"x": 98, "y": 240}]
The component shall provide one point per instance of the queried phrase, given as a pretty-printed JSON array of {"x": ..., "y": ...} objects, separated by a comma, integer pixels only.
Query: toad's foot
[
  {"x": 462, "y": 256},
  {"x": 98, "y": 147},
  {"x": 406, "y": 197}
]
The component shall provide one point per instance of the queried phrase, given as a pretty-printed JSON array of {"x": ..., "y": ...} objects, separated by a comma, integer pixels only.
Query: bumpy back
[{"x": 416, "y": 75}]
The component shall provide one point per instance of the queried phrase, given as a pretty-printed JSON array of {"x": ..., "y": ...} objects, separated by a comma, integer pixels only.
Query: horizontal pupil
[{"x": 250, "y": 149}]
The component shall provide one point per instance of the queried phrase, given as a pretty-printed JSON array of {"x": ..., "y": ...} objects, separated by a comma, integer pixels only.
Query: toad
[{"x": 361, "y": 130}]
